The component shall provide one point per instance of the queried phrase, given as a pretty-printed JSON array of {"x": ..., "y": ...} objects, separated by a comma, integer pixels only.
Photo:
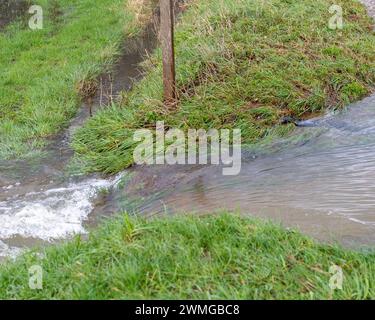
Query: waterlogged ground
[
  {"x": 321, "y": 181},
  {"x": 40, "y": 202}
]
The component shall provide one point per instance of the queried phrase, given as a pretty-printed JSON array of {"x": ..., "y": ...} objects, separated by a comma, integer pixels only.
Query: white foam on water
[
  {"x": 9, "y": 252},
  {"x": 52, "y": 214}
]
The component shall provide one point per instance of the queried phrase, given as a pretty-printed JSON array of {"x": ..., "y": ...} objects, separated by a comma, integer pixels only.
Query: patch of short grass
[
  {"x": 242, "y": 64},
  {"x": 43, "y": 70},
  {"x": 222, "y": 256}
]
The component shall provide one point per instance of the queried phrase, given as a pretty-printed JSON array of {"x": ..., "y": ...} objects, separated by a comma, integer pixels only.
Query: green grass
[
  {"x": 44, "y": 71},
  {"x": 222, "y": 256},
  {"x": 242, "y": 64}
]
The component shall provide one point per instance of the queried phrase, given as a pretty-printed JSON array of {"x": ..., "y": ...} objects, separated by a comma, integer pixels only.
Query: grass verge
[
  {"x": 221, "y": 256},
  {"x": 242, "y": 64},
  {"x": 43, "y": 72}
]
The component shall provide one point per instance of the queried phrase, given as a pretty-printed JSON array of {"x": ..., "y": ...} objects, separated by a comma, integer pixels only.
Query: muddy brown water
[
  {"x": 319, "y": 180},
  {"x": 39, "y": 201}
]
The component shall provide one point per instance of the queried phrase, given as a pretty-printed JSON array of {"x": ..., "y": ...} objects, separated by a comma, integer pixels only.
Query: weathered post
[{"x": 167, "y": 45}]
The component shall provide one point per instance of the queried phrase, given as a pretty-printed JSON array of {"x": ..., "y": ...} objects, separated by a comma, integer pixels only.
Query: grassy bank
[
  {"x": 242, "y": 64},
  {"x": 44, "y": 72},
  {"x": 215, "y": 257}
]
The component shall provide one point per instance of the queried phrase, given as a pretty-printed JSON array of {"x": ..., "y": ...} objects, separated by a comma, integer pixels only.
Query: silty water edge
[
  {"x": 323, "y": 185},
  {"x": 305, "y": 186},
  {"x": 40, "y": 202}
]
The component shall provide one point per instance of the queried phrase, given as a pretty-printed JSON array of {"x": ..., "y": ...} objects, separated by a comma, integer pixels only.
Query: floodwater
[
  {"x": 39, "y": 201},
  {"x": 320, "y": 180}
]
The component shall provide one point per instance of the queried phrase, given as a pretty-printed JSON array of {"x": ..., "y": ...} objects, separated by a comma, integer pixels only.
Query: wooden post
[{"x": 167, "y": 45}]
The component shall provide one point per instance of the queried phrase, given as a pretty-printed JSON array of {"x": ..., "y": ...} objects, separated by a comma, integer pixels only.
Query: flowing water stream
[
  {"x": 40, "y": 202},
  {"x": 320, "y": 180}
]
